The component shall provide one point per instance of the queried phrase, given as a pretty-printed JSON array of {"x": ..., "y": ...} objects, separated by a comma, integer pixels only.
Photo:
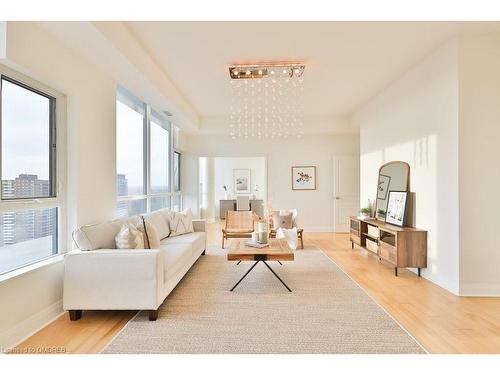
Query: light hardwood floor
[{"x": 439, "y": 320}]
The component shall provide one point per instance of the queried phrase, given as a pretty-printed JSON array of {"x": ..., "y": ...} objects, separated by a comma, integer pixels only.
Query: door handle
[{"x": 337, "y": 198}]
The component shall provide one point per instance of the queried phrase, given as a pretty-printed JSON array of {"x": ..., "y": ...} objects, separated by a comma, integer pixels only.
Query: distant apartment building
[
  {"x": 31, "y": 224},
  {"x": 121, "y": 185}
]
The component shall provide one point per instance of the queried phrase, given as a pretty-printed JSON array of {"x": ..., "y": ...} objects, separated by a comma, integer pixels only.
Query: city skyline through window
[{"x": 144, "y": 155}]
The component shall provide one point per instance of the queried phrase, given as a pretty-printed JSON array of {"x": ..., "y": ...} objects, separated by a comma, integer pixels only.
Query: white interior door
[{"x": 345, "y": 190}]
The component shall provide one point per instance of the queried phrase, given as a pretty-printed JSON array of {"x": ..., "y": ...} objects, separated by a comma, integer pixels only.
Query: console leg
[
  {"x": 153, "y": 315},
  {"x": 203, "y": 253},
  {"x": 396, "y": 271},
  {"x": 352, "y": 245},
  {"x": 418, "y": 271},
  {"x": 75, "y": 314}
]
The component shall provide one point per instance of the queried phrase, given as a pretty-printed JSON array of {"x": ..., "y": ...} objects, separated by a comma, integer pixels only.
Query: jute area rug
[{"x": 327, "y": 312}]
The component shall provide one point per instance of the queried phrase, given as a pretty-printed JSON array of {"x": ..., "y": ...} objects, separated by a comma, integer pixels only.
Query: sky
[{"x": 25, "y": 132}]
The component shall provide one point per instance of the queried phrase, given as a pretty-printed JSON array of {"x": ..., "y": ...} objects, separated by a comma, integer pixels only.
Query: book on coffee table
[{"x": 256, "y": 244}]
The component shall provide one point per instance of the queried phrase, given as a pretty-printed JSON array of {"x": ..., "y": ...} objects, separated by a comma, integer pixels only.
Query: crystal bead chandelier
[{"x": 266, "y": 100}]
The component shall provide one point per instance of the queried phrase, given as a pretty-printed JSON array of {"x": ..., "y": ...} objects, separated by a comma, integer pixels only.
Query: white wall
[
  {"x": 223, "y": 176},
  {"x": 479, "y": 71},
  {"x": 416, "y": 120},
  {"x": 315, "y": 207}
]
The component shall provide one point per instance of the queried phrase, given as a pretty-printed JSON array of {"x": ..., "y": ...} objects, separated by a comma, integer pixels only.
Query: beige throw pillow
[
  {"x": 158, "y": 220},
  {"x": 181, "y": 222},
  {"x": 284, "y": 221},
  {"x": 151, "y": 237},
  {"x": 129, "y": 237}
]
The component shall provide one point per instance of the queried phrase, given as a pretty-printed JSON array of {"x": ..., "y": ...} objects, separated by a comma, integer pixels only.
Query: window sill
[{"x": 30, "y": 268}]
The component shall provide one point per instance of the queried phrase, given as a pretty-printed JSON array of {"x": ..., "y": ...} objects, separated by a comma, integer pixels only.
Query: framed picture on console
[
  {"x": 241, "y": 181},
  {"x": 304, "y": 178},
  {"x": 396, "y": 208},
  {"x": 383, "y": 186}
]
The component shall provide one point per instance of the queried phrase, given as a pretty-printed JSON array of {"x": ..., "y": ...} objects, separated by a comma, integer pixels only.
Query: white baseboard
[
  {"x": 21, "y": 331},
  {"x": 480, "y": 290}
]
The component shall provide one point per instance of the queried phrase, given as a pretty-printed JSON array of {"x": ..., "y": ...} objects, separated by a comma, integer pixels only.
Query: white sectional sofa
[{"x": 98, "y": 276}]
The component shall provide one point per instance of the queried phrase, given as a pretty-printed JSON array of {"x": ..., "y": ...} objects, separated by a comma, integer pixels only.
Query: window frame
[
  {"x": 57, "y": 169},
  {"x": 179, "y": 167},
  {"x": 52, "y": 137}
]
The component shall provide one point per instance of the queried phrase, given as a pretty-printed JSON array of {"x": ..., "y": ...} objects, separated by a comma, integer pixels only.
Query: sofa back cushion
[
  {"x": 159, "y": 221},
  {"x": 98, "y": 236}
]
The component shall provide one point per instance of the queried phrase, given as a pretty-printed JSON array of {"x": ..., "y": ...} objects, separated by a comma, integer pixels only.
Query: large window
[
  {"x": 144, "y": 153},
  {"x": 30, "y": 207}
]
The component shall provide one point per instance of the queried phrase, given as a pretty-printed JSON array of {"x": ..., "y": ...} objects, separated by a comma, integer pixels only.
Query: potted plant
[{"x": 365, "y": 212}]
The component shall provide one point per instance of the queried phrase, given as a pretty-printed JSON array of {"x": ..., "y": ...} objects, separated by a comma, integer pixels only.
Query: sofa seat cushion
[
  {"x": 197, "y": 241},
  {"x": 175, "y": 256}
]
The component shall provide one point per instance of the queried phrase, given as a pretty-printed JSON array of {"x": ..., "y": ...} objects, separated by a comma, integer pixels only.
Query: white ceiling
[{"x": 347, "y": 62}]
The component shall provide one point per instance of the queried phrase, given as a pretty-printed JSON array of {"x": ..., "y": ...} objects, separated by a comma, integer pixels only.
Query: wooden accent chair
[
  {"x": 300, "y": 232},
  {"x": 239, "y": 224}
]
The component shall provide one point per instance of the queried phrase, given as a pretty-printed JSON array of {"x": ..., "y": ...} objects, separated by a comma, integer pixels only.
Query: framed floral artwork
[{"x": 304, "y": 178}]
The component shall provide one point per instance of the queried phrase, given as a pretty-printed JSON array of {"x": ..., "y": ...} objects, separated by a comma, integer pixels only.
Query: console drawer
[
  {"x": 372, "y": 245},
  {"x": 388, "y": 253}
]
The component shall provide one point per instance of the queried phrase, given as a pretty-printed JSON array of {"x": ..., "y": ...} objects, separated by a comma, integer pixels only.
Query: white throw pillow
[
  {"x": 129, "y": 237},
  {"x": 290, "y": 235},
  {"x": 151, "y": 238},
  {"x": 181, "y": 222}
]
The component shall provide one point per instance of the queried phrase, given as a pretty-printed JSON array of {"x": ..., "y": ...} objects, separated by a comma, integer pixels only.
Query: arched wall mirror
[{"x": 391, "y": 176}]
